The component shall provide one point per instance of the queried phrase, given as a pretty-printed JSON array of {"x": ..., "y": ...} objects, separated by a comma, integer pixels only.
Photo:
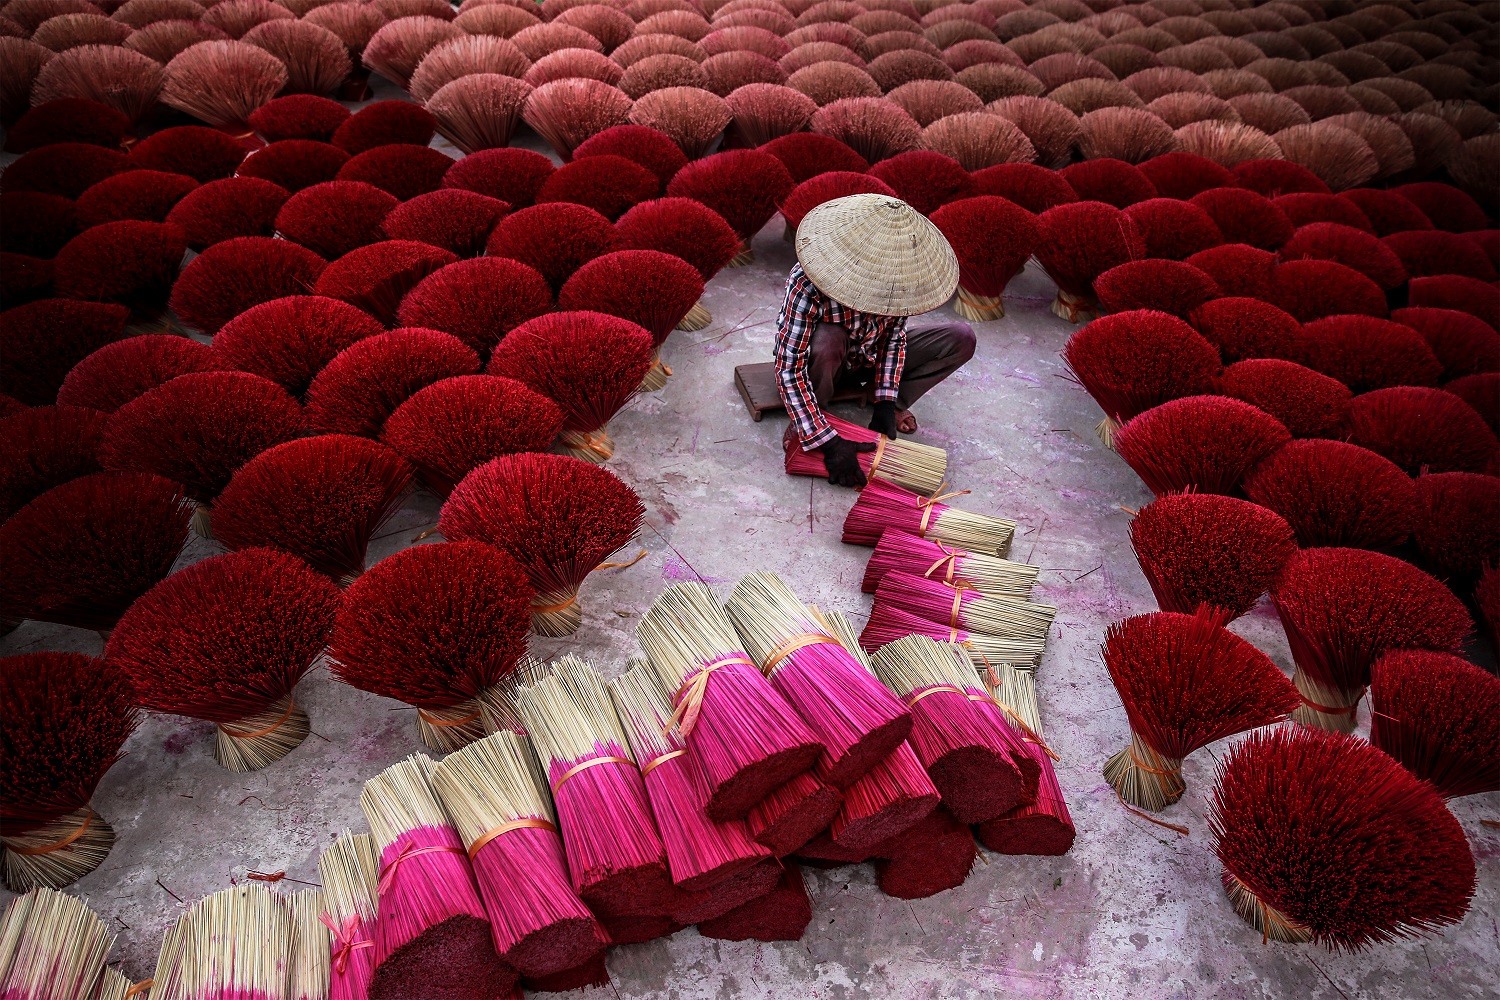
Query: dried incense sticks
[
  {"x": 961, "y": 607},
  {"x": 51, "y": 945},
  {"x": 493, "y": 789},
  {"x": 310, "y": 964},
  {"x": 1044, "y": 826},
  {"x": 232, "y": 943},
  {"x": 888, "y": 624},
  {"x": 858, "y": 720},
  {"x": 904, "y": 462},
  {"x": 957, "y": 567},
  {"x": 743, "y": 735},
  {"x": 348, "y": 869}
]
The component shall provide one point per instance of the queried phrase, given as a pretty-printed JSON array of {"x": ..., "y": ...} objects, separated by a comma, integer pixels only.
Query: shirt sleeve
[
  {"x": 795, "y": 323},
  {"x": 892, "y": 363}
]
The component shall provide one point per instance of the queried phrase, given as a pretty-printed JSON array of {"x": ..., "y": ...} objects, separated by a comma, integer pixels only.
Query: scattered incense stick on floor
[
  {"x": 233, "y": 943},
  {"x": 615, "y": 855},
  {"x": 887, "y": 624},
  {"x": 700, "y": 852},
  {"x": 1043, "y": 826},
  {"x": 431, "y": 933},
  {"x": 51, "y": 946},
  {"x": 743, "y": 735},
  {"x": 904, "y": 462},
  {"x": 310, "y": 958},
  {"x": 962, "y": 608},
  {"x": 884, "y": 505},
  {"x": 1185, "y": 681},
  {"x": 965, "y": 754},
  {"x": 858, "y": 720},
  {"x": 957, "y": 567},
  {"x": 780, "y": 915},
  {"x": 348, "y": 870},
  {"x": 494, "y": 791}
]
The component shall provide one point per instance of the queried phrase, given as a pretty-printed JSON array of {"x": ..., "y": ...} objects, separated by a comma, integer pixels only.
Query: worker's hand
[
  {"x": 884, "y": 419},
  {"x": 842, "y": 458}
]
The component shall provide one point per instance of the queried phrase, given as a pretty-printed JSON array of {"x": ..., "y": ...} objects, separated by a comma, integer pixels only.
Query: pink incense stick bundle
[
  {"x": 904, "y": 462},
  {"x": 700, "y": 852},
  {"x": 964, "y": 607},
  {"x": 793, "y": 814},
  {"x": 887, "y": 799},
  {"x": 234, "y": 944},
  {"x": 858, "y": 720},
  {"x": 615, "y": 855},
  {"x": 930, "y": 857},
  {"x": 888, "y": 623},
  {"x": 432, "y": 937},
  {"x": 1043, "y": 826},
  {"x": 725, "y": 895},
  {"x": 966, "y": 753},
  {"x": 494, "y": 791},
  {"x": 987, "y": 575},
  {"x": 348, "y": 872},
  {"x": 743, "y": 737},
  {"x": 780, "y": 915},
  {"x": 883, "y": 505}
]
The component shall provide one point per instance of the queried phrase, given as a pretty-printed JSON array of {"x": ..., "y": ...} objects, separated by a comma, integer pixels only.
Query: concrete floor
[{"x": 1133, "y": 911}]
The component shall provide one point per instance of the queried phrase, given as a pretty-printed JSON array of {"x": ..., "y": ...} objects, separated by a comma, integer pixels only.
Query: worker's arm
[{"x": 888, "y": 379}]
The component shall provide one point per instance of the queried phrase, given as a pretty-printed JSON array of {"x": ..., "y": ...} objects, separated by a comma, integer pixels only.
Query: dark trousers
[{"x": 932, "y": 354}]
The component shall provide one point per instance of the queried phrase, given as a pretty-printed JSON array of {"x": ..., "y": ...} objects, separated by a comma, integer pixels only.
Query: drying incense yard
[{"x": 1246, "y": 257}]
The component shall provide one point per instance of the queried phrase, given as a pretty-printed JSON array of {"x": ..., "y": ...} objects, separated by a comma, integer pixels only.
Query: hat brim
[{"x": 876, "y": 254}]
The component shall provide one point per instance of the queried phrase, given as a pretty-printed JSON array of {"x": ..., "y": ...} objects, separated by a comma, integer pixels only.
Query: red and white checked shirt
[{"x": 877, "y": 342}]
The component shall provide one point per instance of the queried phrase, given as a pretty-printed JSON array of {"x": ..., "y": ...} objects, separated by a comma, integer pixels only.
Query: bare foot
[{"x": 906, "y": 422}]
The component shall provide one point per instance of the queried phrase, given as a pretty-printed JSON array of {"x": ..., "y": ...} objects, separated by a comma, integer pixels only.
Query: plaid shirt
[{"x": 877, "y": 342}]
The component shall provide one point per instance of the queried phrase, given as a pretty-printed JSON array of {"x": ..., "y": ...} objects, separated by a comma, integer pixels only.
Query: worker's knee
[{"x": 961, "y": 342}]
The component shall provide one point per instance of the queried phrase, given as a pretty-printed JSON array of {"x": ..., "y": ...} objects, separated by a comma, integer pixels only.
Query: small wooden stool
[{"x": 757, "y": 386}]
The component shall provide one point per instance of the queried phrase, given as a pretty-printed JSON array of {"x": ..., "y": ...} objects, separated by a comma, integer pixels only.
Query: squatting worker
[{"x": 864, "y": 264}]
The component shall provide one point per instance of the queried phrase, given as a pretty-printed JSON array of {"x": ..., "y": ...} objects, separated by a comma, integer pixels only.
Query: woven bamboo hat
[{"x": 877, "y": 254}]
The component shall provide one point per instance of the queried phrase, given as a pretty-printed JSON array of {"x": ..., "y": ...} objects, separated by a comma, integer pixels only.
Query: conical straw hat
[{"x": 877, "y": 254}]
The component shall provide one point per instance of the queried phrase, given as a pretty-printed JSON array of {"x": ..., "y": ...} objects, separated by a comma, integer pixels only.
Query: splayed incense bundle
[
  {"x": 51, "y": 946},
  {"x": 700, "y": 852},
  {"x": 968, "y": 758},
  {"x": 883, "y": 506},
  {"x": 310, "y": 965},
  {"x": 913, "y": 466},
  {"x": 742, "y": 735},
  {"x": 431, "y": 933},
  {"x": 859, "y": 721},
  {"x": 964, "y": 608},
  {"x": 1185, "y": 681},
  {"x": 1043, "y": 826},
  {"x": 233, "y": 943},
  {"x": 887, "y": 624},
  {"x": 987, "y": 575},
  {"x": 494, "y": 791},
  {"x": 615, "y": 855},
  {"x": 348, "y": 869}
]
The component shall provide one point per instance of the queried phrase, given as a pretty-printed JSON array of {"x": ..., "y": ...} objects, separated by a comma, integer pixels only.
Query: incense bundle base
[
  {"x": 780, "y": 915},
  {"x": 978, "y": 308},
  {"x": 656, "y": 376},
  {"x": 513, "y": 870},
  {"x": 638, "y": 930},
  {"x": 347, "y": 869},
  {"x": 745, "y": 257},
  {"x": 793, "y": 814},
  {"x": 202, "y": 522},
  {"x": 697, "y": 318},
  {"x": 902, "y": 462},
  {"x": 932, "y": 856},
  {"x": 1324, "y": 707},
  {"x": 592, "y": 446},
  {"x": 1271, "y": 922},
  {"x": 57, "y": 853},
  {"x": 728, "y": 894},
  {"x": 590, "y": 973},
  {"x": 1075, "y": 308},
  {"x": 1106, "y": 430},
  {"x": 556, "y": 614},
  {"x": 262, "y": 739},
  {"x": 1143, "y": 777},
  {"x": 453, "y": 728},
  {"x": 894, "y": 795}
]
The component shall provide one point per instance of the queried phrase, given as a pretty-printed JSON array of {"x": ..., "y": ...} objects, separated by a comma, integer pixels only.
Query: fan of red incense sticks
[
  {"x": 1185, "y": 681},
  {"x": 479, "y": 301},
  {"x": 320, "y": 498},
  {"x": 348, "y": 870},
  {"x": 684, "y": 228},
  {"x": 495, "y": 793},
  {"x": 69, "y": 717},
  {"x": 1077, "y": 242},
  {"x": 366, "y": 382},
  {"x": 989, "y": 575},
  {"x": 558, "y": 517},
  {"x": 1333, "y": 493},
  {"x": 1044, "y": 826},
  {"x": 437, "y": 627},
  {"x": 1325, "y": 838},
  {"x": 884, "y": 505},
  {"x": 1201, "y": 548},
  {"x": 589, "y": 363},
  {"x": 701, "y": 853},
  {"x": 46, "y": 446},
  {"x": 227, "y": 640},
  {"x": 615, "y": 855},
  {"x": 79, "y": 554},
  {"x": 1203, "y": 443},
  {"x": 993, "y": 239},
  {"x": 747, "y": 742},
  {"x": 431, "y": 933},
  {"x": 1345, "y": 608},
  {"x": 1431, "y": 711},
  {"x": 291, "y": 340},
  {"x": 858, "y": 721},
  {"x": 903, "y": 462}
]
